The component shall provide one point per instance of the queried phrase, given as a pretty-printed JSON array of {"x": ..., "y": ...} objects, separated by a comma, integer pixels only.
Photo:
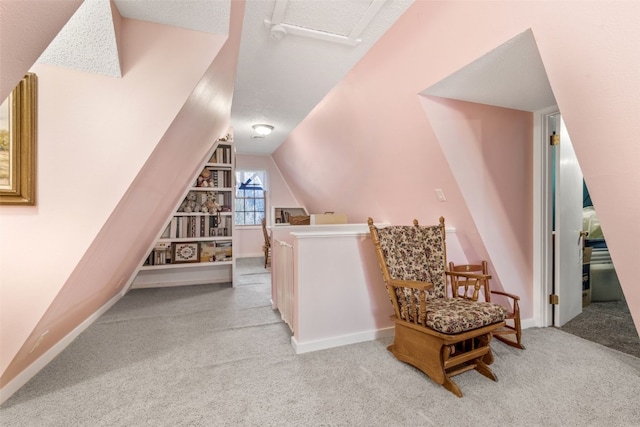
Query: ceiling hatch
[{"x": 342, "y": 25}]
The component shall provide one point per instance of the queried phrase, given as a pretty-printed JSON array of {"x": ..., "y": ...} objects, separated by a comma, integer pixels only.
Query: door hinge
[
  {"x": 554, "y": 139},
  {"x": 553, "y": 299}
]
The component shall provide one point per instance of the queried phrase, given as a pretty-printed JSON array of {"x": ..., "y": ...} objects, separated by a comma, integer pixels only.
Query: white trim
[
  {"x": 341, "y": 340},
  {"x": 541, "y": 219},
  {"x": 36, "y": 366},
  {"x": 529, "y": 323},
  {"x": 251, "y": 255},
  {"x": 334, "y": 230},
  {"x": 181, "y": 283}
]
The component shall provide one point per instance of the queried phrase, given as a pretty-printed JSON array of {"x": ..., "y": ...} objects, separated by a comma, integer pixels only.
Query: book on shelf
[
  {"x": 207, "y": 251},
  {"x": 215, "y": 251},
  {"x": 222, "y": 154},
  {"x": 193, "y": 226},
  {"x": 160, "y": 255}
]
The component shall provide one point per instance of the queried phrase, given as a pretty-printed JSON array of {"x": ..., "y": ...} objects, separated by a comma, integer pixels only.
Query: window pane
[
  {"x": 249, "y": 203},
  {"x": 239, "y": 218}
]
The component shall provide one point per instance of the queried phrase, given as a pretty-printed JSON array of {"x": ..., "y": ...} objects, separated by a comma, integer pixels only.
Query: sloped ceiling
[
  {"x": 281, "y": 75},
  {"x": 88, "y": 42},
  {"x": 510, "y": 76},
  {"x": 293, "y": 52}
]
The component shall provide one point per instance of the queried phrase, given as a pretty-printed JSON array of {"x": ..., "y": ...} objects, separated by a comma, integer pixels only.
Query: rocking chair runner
[{"x": 439, "y": 335}]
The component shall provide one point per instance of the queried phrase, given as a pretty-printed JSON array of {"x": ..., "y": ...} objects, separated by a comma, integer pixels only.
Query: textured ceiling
[
  {"x": 278, "y": 82},
  {"x": 87, "y": 42},
  {"x": 209, "y": 16},
  {"x": 316, "y": 15},
  {"x": 283, "y": 75}
]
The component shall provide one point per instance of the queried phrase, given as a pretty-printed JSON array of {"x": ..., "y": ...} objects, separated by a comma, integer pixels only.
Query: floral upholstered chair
[{"x": 441, "y": 335}]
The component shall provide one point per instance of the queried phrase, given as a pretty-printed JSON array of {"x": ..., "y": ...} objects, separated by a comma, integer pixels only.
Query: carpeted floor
[
  {"x": 213, "y": 355},
  {"x": 609, "y": 324}
]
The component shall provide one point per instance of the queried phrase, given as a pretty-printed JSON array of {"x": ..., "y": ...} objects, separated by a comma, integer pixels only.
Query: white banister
[{"x": 284, "y": 281}]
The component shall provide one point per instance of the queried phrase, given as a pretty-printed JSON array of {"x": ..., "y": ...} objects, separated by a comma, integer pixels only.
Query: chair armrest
[
  {"x": 515, "y": 297},
  {"x": 413, "y": 284}
]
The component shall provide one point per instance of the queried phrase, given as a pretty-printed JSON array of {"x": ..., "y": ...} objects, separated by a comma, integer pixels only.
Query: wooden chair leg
[
  {"x": 484, "y": 370},
  {"x": 451, "y": 386}
]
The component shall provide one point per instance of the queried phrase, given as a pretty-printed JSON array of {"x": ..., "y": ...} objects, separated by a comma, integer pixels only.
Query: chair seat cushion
[{"x": 455, "y": 315}]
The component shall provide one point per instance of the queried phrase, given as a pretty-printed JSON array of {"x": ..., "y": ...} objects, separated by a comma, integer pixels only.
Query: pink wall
[
  {"x": 490, "y": 152},
  {"x": 20, "y": 46},
  {"x": 371, "y": 148},
  {"x": 114, "y": 170}
]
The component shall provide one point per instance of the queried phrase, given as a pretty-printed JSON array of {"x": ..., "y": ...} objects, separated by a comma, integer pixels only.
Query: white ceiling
[
  {"x": 293, "y": 52},
  {"x": 511, "y": 76}
]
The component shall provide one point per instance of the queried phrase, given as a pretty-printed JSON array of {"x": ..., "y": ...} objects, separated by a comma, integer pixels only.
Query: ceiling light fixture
[{"x": 262, "y": 129}]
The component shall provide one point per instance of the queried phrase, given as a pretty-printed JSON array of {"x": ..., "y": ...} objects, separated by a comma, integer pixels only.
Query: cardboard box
[{"x": 328, "y": 218}]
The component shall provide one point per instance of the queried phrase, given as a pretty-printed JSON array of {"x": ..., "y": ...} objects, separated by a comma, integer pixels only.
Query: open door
[{"x": 568, "y": 242}]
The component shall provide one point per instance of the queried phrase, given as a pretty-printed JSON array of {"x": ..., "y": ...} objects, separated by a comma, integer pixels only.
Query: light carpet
[{"x": 213, "y": 355}]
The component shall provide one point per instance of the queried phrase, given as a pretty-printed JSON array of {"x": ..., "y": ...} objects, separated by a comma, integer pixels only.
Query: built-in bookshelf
[
  {"x": 283, "y": 215},
  {"x": 198, "y": 237}
]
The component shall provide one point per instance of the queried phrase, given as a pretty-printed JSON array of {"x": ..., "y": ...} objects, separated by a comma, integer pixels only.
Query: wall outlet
[{"x": 440, "y": 195}]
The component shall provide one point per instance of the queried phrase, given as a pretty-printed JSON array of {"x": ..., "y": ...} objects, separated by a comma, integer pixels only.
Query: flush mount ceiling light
[{"x": 263, "y": 130}]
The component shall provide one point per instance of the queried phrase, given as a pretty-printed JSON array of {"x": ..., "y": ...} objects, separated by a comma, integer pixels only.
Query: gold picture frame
[{"x": 18, "y": 131}]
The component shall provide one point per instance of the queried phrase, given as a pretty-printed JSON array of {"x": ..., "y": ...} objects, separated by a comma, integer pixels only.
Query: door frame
[{"x": 542, "y": 226}]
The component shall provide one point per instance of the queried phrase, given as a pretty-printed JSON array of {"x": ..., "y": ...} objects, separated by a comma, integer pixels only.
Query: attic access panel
[{"x": 322, "y": 20}]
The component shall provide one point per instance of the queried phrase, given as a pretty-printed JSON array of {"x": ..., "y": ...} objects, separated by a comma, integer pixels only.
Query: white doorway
[
  {"x": 557, "y": 239},
  {"x": 567, "y": 238}
]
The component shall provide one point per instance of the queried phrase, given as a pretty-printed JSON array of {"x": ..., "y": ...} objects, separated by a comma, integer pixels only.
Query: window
[{"x": 250, "y": 197}]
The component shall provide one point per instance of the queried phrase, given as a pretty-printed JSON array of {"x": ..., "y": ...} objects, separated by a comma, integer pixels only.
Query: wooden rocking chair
[
  {"x": 440, "y": 335},
  {"x": 469, "y": 286},
  {"x": 266, "y": 248}
]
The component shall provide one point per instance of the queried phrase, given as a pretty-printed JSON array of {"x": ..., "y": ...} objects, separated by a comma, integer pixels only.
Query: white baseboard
[
  {"x": 339, "y": 341},
  {"x": 251, "y": 255},
  {"x": 37, "y": 365},
  {"x": 529, "y": 323},
  {"x": 177, "y": 283},
  {"x": 307, "y": 347}
]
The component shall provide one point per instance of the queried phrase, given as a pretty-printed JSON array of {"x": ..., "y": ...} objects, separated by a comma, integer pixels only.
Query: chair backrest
[
  {"x": 467, "y": 288},
  {"x": 413, "y": 253},
  {"x": 265, "y": 233}
]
